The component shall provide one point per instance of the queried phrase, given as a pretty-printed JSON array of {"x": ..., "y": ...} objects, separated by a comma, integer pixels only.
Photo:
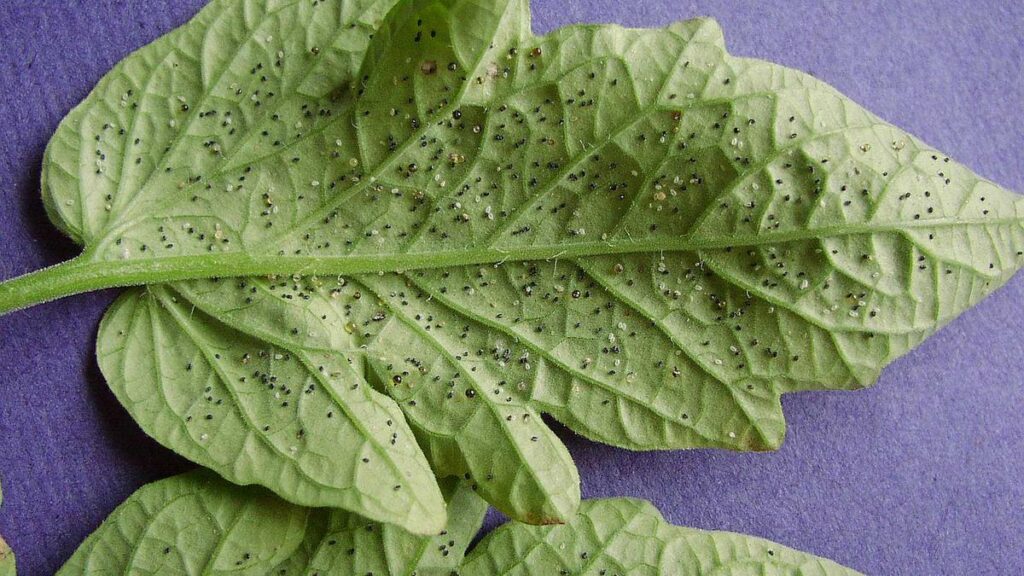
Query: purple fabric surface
[{"x": 922, "y": 474}]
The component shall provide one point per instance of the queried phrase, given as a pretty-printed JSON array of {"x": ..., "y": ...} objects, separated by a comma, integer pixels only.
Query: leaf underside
[
  {"x": 7, "y": 561},
  {"x": 629, "y": 230},
  {"x": 198, "y": 524},
  {"x": 625, "y": 536}
]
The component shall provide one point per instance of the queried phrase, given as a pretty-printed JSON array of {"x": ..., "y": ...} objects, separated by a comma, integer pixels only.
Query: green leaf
[
  {"x": 626, "y": 536},
  {"x": 260, "y": 414},
  {"x": 730, "y": 230},
  {"x": 656, "y": 141},
  {"x": 629, "y": 230},
  {"x": 7, "y": 561},
  {"x": 198, "y": 524},
  {"x": 281, "y": 411}
]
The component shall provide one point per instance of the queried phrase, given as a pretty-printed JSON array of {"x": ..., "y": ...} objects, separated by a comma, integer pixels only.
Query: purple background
[{"x": 923, "y": 474}]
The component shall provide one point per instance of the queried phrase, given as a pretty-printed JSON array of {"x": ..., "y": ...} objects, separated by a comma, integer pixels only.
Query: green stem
[
  {"x": 83, "y": 274},
  {"x": 39, "y": 286},
  {"x": 71, "y": 277},
  {"x": 80, "y": 275}
]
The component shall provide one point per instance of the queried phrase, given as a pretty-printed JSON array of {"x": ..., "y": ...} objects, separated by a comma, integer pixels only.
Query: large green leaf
[
  {"x": 198, "y": 524},
  {"x": 629, "y": 230},
  {"x": 628, "y": 537},
  {"x": 233, "y": 147}
]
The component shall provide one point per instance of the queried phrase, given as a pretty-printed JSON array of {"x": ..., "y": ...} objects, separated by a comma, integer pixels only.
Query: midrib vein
[{"x": 184, "y": 267}]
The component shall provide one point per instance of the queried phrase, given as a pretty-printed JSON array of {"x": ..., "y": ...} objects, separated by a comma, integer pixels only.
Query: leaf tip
[
  {"x": 766, "y": 437},
  {"x": 704, "y": 29},
  {"x": 429, "y": 518}
]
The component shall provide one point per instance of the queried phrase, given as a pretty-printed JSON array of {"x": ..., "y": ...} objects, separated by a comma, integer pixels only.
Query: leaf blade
[
  {"x": 735, "y": 230},
  {"x": 260, "y": 414},
  {"x": 196, "y": 523},
  {"x": 627, "y": 536},
  {"x": 460, "y": 433}
]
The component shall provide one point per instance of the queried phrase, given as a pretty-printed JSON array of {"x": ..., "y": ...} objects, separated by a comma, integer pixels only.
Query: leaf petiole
[{"x": 80, "y": 275}]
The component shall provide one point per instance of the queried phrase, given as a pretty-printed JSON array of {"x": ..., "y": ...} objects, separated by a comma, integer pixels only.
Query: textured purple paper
[{"x": 923, "y": 474}]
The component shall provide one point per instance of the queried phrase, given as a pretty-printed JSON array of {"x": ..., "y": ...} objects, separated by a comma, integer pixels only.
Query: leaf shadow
[
  {"x": 146, "y": 458},
  {"x": 56, "y": 247}
]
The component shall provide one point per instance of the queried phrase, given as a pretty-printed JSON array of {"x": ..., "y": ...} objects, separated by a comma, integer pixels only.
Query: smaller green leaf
[
  {"x": 198, "y": 524},
  {"x": 465, "y": 427},
  {"x": 191, "y": 524},
  {"x": 627, "y": 536},
  {"x": 7, "y": 565},
  {"x": 295, "y": 421}
]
